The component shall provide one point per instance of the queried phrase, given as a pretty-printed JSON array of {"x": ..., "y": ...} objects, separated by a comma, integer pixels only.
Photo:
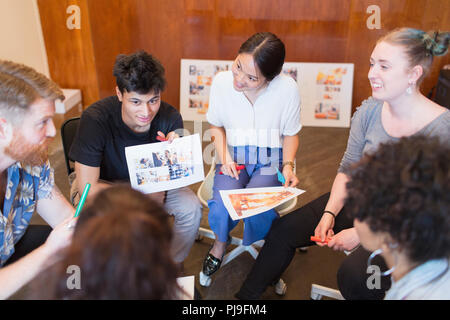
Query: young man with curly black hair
[{"x": 135, "y": 115}]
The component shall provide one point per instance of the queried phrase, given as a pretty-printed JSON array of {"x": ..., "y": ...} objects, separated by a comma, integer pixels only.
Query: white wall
[{"x": 21, "y": 38}]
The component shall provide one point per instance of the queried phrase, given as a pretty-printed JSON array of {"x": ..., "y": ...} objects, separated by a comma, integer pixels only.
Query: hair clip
[{"x": 436, "y": 33}]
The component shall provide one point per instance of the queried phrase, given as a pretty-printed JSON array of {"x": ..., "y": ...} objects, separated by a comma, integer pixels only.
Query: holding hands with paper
[
  {"x": 156, "y": 167},
  {"x": 170, "y": 136}
]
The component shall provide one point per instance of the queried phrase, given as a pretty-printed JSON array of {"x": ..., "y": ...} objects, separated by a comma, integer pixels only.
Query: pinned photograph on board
[
  {"x": 329, "y": 88},
  {"x": 326, "y": 111},
  {"x": 291, "y": 72},
  {"x": 326, "y": 92},
  {"x": 200, "y": 104},
  {"x": 195, "y": 83}
]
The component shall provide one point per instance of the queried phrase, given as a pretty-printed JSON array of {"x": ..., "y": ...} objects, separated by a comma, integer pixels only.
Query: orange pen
[
  {"x": 159, "y": 138},
  {"x": 317, "y": 239},
  {"x": 238, "y": 167}
]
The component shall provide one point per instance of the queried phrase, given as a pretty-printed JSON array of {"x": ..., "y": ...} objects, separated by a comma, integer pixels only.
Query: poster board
[
  {"x": 326, "y": 94},
  {"x": 325, "y": 90},
  {"x": 195, "y": 83}
]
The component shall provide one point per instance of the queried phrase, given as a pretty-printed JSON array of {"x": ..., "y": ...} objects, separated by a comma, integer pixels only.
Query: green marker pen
[{"x": 82, "y": 200}]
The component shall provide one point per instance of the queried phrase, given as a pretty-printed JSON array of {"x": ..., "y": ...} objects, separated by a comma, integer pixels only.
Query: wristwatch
[{"x": 291, "y": 163}]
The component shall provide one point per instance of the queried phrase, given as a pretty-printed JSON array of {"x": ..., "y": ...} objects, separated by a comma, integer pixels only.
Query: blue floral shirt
[{"x": 25, "y": 185}]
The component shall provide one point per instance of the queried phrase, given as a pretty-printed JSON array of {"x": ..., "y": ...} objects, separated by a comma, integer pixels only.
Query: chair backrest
[
  {"x": 68, "y": 130},
  {"x": 286, "y": 207},
  {"x": 442, "y": 96},
  {"x": 204, "y": 192}
]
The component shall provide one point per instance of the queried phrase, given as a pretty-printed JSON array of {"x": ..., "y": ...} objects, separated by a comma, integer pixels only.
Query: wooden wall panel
[
  {"x": 313, "y": 31},
  {"x": 422, "y": 14},
  {"x": 115, "y": 30},
  {"x": 163, "y": 34},
  {"x": 70, "y": 53}
]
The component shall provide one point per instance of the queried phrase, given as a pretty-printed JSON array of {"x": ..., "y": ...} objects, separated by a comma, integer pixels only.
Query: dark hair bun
[{"x": 268, "y": 52}]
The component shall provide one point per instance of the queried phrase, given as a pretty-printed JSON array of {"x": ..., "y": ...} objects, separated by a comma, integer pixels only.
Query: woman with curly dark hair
[
  {"x": 397, "y": 108},
  {"x": 399, "y": 198},
  {"x": 121, "y": 245}
]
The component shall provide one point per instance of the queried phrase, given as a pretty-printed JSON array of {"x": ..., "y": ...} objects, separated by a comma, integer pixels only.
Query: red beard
[{"x": 28, "y": 154}]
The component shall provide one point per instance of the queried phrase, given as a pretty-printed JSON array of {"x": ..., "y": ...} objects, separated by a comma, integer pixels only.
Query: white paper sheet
[
  {"x": 164, "y": 166},
  {"x": 187, "y": 287},
  {"x": 243, "y": 203}
]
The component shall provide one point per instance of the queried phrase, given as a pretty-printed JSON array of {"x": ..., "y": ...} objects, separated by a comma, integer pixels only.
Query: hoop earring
[{"x": 373, "y": 255}]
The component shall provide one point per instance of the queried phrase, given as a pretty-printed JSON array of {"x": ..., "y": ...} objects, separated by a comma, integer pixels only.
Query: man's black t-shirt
[{"x": 102, "y": 136}]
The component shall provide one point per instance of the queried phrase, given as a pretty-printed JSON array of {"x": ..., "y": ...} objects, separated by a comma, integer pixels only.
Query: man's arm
[
  {"x": 54, "y": 208},
  {"x": 19, "y": 273},
  {"x": 86, "y": 174}
]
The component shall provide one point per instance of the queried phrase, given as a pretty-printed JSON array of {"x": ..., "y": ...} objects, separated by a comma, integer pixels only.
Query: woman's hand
[
  {"x": 345, "y": 240},
  {"x": 229, "y": 169},
  {"x": 290, "y": 178},
  {"x": 324, "y": 229}
]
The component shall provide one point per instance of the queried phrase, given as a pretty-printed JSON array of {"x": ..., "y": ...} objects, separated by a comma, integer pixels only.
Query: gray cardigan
[{"x": 367, "y": 132}]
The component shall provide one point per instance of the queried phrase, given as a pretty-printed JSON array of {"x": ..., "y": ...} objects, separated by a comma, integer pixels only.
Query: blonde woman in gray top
[{"x": 397, "y": 108}]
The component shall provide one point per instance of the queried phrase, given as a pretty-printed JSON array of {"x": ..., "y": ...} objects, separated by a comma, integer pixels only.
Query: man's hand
[
  {"x": 170, "y": 136},
  {"x": 17, "y": 274},
  {"x": 61, "y": 236}
]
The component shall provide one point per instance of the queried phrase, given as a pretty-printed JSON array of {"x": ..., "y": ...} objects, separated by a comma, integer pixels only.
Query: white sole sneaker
[
  {"x": 205, "y": 281},
  {"x": 281, "y": 287}
]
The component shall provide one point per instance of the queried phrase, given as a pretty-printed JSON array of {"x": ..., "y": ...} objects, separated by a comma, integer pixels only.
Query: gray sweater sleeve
[
  {"x": 367, "y": 132},
  {"x": 361, "y": 120}
]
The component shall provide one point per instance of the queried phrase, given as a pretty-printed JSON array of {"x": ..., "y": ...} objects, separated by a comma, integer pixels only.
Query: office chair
[
  {"x": 318, "y": 291},
  {"x": 68, "y": 131},
  {"x": 204, "y": 193}
]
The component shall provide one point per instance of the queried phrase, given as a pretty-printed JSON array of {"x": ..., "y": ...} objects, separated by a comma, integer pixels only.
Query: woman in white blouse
[{"x": 254, "y": 113}]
